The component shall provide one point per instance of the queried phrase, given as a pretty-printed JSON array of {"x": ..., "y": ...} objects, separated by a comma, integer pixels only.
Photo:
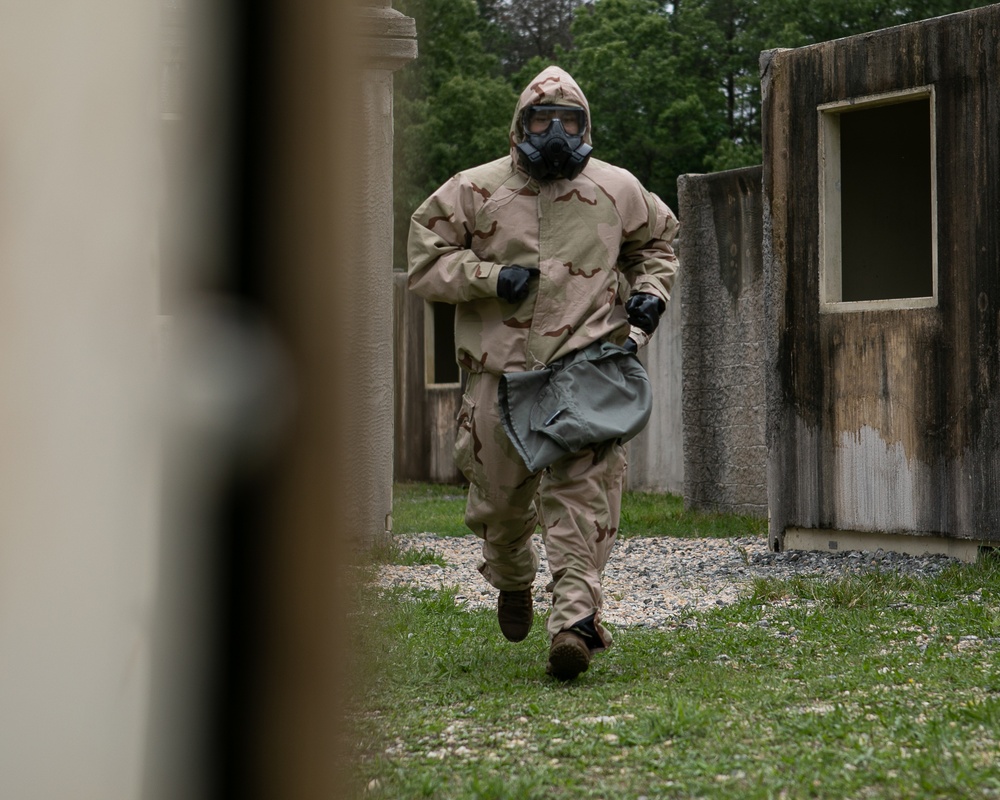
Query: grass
[
  {"x": 871, "y": 686},
  {"x": 438, "y": 508},
  {"x": 810, "y": 698},
  {"x": 392, "y": 550},
  {"x": 654, "y": 514},
  {"x": 428, "y": 507}
]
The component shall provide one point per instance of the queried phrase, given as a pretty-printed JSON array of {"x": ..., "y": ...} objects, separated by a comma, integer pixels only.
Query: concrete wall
[
  {"x": 110, "y": 536},
  {"x": 725, "y": 459},
  {"x": 655, "y": 456},
  {"x": 882, "y": 418}
]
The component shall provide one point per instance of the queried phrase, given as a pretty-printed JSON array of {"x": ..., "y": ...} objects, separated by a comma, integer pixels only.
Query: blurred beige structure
[
  {"x": 78, "y": 299},
  {"x": 110, "y": 645}
]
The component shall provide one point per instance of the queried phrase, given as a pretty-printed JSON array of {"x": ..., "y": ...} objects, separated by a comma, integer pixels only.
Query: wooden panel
[
  {"x": 410, "y": 458},
  {"x": 443, "y": 404},
  {"x": 425, "y": 415}
]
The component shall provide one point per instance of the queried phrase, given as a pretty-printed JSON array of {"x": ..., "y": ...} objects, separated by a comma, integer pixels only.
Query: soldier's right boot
[{"x": 569, "y": 655}]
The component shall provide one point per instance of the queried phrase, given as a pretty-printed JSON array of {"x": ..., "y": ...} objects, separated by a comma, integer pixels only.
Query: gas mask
[{"x": 553, "y": 145}]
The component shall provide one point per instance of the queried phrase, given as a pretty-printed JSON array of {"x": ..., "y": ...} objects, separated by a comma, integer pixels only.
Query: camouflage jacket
[{"x": 596, "y": 240}]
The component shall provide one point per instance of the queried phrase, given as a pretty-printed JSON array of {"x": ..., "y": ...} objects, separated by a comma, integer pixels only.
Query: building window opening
[
  {"x": 439, "y": 349},
  {"x": 877, "y": 203}
]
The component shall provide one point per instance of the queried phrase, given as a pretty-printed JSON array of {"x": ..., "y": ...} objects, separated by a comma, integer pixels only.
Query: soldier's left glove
[{"x": 644, "y": 311}]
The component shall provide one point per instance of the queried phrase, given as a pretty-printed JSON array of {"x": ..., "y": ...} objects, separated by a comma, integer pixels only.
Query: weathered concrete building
[{"x": 882, "y": 298}]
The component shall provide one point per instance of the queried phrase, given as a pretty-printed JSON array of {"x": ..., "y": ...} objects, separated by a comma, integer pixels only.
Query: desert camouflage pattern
[
  {"x": 577, "y": 501},
  {"x": 596, "y": 240}
]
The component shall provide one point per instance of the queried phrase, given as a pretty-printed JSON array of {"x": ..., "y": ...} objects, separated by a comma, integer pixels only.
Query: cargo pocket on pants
[{"x": 465, "y": 439}]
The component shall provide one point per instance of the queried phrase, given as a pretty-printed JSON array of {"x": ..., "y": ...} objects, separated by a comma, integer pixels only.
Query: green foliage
[
  {"x": 674, "y": 87},
  {"x": 730, "y": 155},
  {"x": 524, "y": 30},
  {"x": 470, "y": 124},
  {"x": 647, "y": 115},
  {"x": 452, "y": 108}
]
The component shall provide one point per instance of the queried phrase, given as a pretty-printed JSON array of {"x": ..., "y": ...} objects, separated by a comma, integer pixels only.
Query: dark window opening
[
  {"x": 886, "y": 202},
  {"x": 443, "y": 344}
]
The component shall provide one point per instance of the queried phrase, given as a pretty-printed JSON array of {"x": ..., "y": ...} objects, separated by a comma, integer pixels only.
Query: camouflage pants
[{"x": 577, "y": 502}]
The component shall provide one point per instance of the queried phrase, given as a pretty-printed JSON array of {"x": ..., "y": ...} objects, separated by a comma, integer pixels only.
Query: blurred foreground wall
[
  {"x": 77, "y": 346},
  {"x": 196, "y": 424}
]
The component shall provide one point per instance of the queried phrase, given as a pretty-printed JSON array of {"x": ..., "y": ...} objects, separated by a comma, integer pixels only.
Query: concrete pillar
[{"x": 388, "y": 43}]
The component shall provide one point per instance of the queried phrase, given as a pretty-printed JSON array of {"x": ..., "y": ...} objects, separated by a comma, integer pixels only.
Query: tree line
[{"x": 673, "y": 86}]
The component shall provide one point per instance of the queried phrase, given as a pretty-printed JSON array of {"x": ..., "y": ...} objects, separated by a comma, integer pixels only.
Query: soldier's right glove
[
  {"x": 644, "y": 311},
  {"x": 512, "y": 282}
]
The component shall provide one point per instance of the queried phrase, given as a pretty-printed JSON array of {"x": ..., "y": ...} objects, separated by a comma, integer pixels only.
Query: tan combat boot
[
  {"x": 569, "y": 655},
  {"x": 515, "y": 614}
]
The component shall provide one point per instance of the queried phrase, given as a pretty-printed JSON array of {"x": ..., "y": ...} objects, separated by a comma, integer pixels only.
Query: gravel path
[{"x": 651, "y": 582}]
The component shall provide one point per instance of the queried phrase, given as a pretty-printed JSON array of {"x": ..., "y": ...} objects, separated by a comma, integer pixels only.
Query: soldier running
[{"x": 543, "y": 252}]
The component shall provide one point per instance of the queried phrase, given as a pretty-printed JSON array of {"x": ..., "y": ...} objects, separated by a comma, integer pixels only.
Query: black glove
[
  {"x": 644, "y": 311},
  {"x": 630, "y": 346},
  {"x": 512, "y": 282}
]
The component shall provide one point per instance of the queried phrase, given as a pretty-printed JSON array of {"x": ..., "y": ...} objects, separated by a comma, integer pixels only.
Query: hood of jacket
[{"x": 553, "y": 86}]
